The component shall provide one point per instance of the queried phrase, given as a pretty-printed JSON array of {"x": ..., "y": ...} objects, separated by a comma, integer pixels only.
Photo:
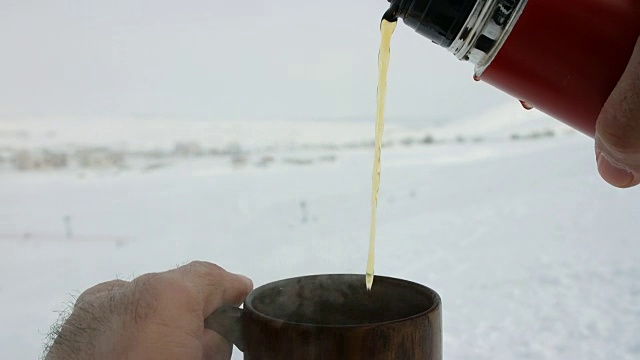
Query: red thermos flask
[{"x": 563, "y": 57}]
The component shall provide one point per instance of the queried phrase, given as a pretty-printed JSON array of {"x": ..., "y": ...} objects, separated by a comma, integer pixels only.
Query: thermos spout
[
  {"x": 391, "y": 15},
  {"x": 438, "y": 20}
]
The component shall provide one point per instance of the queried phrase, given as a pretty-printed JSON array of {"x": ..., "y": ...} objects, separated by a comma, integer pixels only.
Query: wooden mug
[{"x": 334, "y": 316}]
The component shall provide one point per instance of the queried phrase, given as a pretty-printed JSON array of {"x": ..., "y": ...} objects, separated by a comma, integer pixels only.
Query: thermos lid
[{"x": 438, "y": 20}]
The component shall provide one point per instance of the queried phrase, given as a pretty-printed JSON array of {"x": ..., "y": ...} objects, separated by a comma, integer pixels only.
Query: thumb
[{"x": 618, "y": 129}]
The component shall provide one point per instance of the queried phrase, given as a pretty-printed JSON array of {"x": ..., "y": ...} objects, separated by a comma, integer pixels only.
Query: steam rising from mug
[{"x": 330, "y": 300}]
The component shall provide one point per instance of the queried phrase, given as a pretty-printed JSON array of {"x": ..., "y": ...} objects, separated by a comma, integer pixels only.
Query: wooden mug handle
[{"x": 227, "y": 321}]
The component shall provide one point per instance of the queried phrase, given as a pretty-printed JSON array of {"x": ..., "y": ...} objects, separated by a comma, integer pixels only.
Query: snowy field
[{"x": 504, "y": 215}]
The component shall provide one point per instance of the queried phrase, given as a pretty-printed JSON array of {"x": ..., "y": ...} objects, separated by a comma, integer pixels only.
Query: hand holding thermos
[{"x": 618, "y": 129}]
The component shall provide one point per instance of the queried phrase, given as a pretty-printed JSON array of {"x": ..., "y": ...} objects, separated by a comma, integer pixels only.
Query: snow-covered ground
[{"x": 504, "y": 215}]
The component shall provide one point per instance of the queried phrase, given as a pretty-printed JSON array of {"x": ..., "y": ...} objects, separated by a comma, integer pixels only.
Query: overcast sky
[{"x": 251, "y": 59}]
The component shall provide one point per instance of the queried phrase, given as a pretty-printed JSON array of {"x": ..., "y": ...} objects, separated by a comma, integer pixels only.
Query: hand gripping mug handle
[{"x": 227, "y": 321}]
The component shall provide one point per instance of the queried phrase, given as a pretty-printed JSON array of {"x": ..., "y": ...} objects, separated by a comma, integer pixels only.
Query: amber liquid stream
[{"x": 386, "y": 30}]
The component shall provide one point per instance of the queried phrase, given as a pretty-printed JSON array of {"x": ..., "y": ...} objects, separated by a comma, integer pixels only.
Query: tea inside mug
[{"x": 341, "y": 300}]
